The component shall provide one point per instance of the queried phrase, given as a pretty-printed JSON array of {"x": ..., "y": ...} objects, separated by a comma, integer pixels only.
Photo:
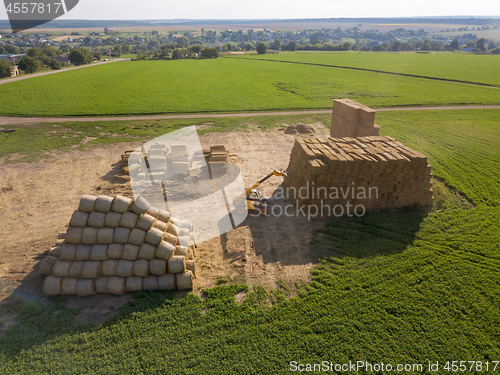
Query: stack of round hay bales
[{"x": 117, "y": 245}]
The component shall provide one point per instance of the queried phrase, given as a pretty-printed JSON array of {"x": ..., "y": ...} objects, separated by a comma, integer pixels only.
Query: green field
[
  {"x": 399, "y": 287},
  {"x": 481, "y": 69},
  {"x": 223, "y": 85}
]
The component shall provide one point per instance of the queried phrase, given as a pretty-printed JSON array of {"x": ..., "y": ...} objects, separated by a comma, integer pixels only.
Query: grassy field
[
  {"x": 223, "y": 85},
  {"x": 452, "y": 66},
  {"x": 399, "y": 287}
]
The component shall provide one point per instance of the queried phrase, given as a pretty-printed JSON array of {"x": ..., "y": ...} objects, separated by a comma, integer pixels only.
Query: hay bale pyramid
[{"x": 117, "y": 245}]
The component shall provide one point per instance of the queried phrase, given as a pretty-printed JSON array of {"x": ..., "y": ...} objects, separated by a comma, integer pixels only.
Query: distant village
[{"x": 52, "y": 50}]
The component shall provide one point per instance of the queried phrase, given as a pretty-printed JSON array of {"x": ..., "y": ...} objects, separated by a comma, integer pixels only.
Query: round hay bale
[
  {"x": 74, "y": 235},
  {"x": 109, "y": 267},
  {"x": 145, "y": 222},
  {"x": 76, "y": 269},
  {"x": 184, "y": 280},
  {"x": 164, "y": 216},
  {"x": 128, "y": 220},
  {"x": 87, "y": 203},
  {"x": 134, "y": 284},
  {"x": 140, "y": 206},
  {"x": 117, "y": 285},
  {"x": 112, "y": 219},
  {"x": 160, "y": 225},
  {"x": 68, "y": 286},
  {"x": 56, "y": 251},
  {"x": 190, "y": 266},
  {"x": 52, "y": 286},
  {"x": 181, "y": 251},
  {"x": 85, "y": 287},
  {"x": 89, "y": 236},
  {"x": 61, "y": 268},
  {"x": 121, "y": 235},
  {"x": 47, "y": 264},
  {"x": 92, "y": 269},
  {"x": 147, "y": 251},
  {"x": 124, "y": 268},
  {"x": 103, "y": 203},
  {"x": 184, "y": 241},
  {"x": 158, "y": 267},
  {"x": 175, "y": 221},
  {"x": 153, "y": 211},
  {"x": 79, "y": 219},
  {"x": 83, "y": 252},
  {"x": 176, "y": 264},
  {"x": 115, "y": 251},
  {"x": 165, "y": 250},
  {"x": 105, "y": 235},
  {"x": 154, "y": 236},
  {"x": 170, "y": 238},
  {"x": 141, "y": 268},
  {"x": 121, "y": 204},
  {"x": 173, "y": 229},
  {"x": 96, "y": 219},
  {"x": 99, "y": 252},
  {"x": 130, "y": 252},
  {"x": 150, "y": 283},
  {"x": 137, "y": 236},
  {"x": 68, "y": 252},
  {"x": 166, "y": 282},
  {"x": 183, "y": 232},
  {"x": 101, "y": 285}
]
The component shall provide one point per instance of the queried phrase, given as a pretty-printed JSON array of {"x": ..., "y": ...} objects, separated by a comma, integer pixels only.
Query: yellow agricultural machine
[{"x": 252, "y": 198}]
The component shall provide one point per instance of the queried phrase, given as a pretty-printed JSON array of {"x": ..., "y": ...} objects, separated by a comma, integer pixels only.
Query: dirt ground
[{"x": 38, "y": 199}]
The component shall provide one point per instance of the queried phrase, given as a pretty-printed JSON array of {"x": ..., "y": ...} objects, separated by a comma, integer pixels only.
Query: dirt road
[{"x": 32, "y": 120}]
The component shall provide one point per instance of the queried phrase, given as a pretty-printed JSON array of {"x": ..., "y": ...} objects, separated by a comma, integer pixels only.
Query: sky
[{"x": 274, "y": 9}]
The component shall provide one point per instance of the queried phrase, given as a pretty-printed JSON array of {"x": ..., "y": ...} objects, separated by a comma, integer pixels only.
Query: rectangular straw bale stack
[
  {"x": 376, "y": 172},
  {"x": 352, "y": 119},
  {"x": 116, "y": 245}
]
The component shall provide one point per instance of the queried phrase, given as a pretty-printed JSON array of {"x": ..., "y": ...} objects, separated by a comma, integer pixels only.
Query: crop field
[
  {"x": 223, "y": 85},
  {"x": 401, "y": 287},
  {"x": 481, "y": 69}
]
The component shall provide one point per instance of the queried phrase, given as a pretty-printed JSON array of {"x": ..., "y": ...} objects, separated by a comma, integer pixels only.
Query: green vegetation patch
[{"x": 461, "y": 146}]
